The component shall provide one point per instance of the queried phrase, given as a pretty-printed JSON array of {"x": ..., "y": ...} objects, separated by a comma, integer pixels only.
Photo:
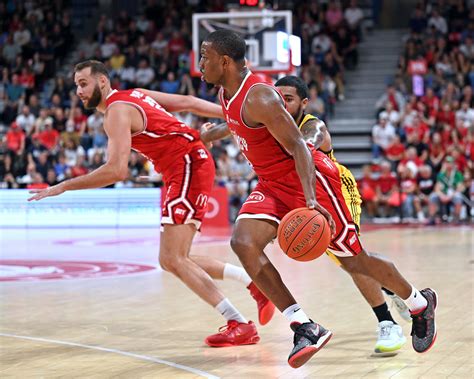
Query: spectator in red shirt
[
  {"x": 176, "y": 45},
  {"x": 447, "y": 135},
  {"x": 430, "y": 100},
  {"x": 395, "y": 152},
  {"x": 79, "y": 168},
  {"x": 436, "y": 153},
  {"x": 79, "y": 119},
  {"x": 15, "y": 139},
  {"x": 408, "y": 187},
  {"x": 27, "y": 78},
  {"x": 446, "y": 116},
  {"x": 366, "y": 187},
  {"x": 459, "y": 159},
  {"x": 419, "y": 127},
  {"x": 385, "y": 186},
  {"x": 49, "y": 137},
  {"x": 412, "y": 161}
]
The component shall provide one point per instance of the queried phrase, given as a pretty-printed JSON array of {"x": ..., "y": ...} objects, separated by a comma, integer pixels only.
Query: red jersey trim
[
  {"x": 111, "y": 93},
  {"x": 226, "y": 106},
  {"x": 185, "y": 135},
  {"x": 139, "y": 108}
]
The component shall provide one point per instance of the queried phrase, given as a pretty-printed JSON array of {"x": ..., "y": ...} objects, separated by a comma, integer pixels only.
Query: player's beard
[
  {"x": 95, "y": 98},
  {"x": 298, "y": 115}
]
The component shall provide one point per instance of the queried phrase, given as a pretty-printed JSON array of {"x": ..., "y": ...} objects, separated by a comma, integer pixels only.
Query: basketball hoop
[{"x": 271, "y": 48}]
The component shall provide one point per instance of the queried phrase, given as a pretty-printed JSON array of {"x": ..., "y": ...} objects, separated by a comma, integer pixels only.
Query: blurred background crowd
[{"x": 422, "y": 140}]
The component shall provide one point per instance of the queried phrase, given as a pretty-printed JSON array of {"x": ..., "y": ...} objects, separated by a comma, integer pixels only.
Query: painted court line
[{"x": 115, "y": 351}]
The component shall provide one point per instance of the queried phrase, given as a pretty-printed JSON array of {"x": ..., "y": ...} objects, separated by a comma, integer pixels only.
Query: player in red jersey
[
  {"x": 268, "y": 136},
  {"x": 135, "y": 120}
]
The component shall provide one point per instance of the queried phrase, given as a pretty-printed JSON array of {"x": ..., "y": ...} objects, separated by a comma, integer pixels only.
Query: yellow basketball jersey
[{"x": 349, "y": 184}]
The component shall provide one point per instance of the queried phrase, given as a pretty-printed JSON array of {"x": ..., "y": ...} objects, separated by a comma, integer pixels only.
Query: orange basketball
[{"x": 304, "y": 234}]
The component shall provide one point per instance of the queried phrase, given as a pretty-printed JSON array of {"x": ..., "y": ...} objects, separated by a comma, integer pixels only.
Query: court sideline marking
[{"x": 115, "y": 351}]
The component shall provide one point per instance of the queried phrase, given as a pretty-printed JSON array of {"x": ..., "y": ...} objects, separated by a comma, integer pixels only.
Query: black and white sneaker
[
  {"x": 308, "y": 340},
  {"x": 423, "y": 330}
]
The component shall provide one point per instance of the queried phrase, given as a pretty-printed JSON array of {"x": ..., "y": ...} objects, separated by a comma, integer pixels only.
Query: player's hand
[
  {"x": 204, "y": 128},
  {"x": 313, "y": 204},
  {"x": 47, "y": 192}
]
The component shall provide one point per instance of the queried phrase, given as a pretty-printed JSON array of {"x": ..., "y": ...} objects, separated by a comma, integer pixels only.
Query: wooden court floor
[{"x": 148, "y": 325}]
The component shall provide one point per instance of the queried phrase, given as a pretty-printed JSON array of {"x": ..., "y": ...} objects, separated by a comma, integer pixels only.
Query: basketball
[{"x": 304, "y": 234}]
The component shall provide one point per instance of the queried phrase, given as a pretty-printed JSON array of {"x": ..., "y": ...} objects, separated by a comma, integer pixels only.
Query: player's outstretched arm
[
  {"x": 117, "y": 125},
  {"x": 185, "y": 103},
  {"x": 264, "y": 106}
]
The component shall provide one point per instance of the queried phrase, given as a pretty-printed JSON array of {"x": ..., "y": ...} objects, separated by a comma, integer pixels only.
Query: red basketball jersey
[
  {"x": 164, "y": 137},
  {"x": 269, "y": 159}
]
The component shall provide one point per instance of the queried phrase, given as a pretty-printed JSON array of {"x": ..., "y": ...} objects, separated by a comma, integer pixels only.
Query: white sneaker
[
  {"x": 401, "y": 307},
  {"x": 421, "y": 216},
  {"x": 390, "y": 338}
]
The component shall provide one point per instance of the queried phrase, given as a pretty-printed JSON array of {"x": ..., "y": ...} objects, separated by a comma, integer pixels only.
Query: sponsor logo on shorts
[
  {"x": 180, "y": 211},
  {"x": 255, "y": 197},
  {"x": 202, "y": 200},
  {"x": 352, "y": 240}
]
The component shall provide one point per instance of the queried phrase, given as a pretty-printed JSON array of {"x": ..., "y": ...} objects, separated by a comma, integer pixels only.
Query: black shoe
[
  {"x": 308, "y": 340},
  {"x": 423, "y": 330}
]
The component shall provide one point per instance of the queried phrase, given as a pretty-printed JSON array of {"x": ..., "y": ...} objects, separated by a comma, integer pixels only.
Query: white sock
[
  {"x": 236, "y": 273},
  {"x": 226, "y": 309},
  {"x": 416, "y": 301},
  {"x": 295, "y": 313}
]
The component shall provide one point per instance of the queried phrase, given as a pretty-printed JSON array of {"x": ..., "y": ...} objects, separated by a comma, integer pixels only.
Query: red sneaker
[
  {"x": 265, "y": 306},
  {"x": 234, "y": 334}
]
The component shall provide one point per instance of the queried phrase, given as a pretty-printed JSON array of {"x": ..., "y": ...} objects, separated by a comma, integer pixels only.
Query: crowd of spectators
[
  {"x": 423, "y": 142},
  {"x": 45, "y": 134}
]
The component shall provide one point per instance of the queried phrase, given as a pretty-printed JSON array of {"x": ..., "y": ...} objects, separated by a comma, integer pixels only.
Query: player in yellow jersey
[{"x": 390, "y": 335}]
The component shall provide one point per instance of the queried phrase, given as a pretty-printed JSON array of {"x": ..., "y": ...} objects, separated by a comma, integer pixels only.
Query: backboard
[{"x": 271, "y": 48}]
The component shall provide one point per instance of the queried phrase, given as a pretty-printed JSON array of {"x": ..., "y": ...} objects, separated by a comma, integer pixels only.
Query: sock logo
[{"x": 296, "y": 310}]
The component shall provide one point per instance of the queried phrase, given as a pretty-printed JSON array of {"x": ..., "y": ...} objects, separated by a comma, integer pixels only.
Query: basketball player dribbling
[
  {"x": 289, "y": 175},
  {"x": 137, "y": 119},
  {"x": 390, "y": 335}
]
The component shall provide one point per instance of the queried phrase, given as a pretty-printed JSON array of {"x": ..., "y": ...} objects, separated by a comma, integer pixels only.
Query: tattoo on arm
[{"x": 313, "y": 132}]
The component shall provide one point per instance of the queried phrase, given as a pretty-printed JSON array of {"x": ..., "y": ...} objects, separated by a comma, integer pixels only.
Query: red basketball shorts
[
  {"x": 189, "y": 182},
  {"x": 272, "y": 200}
]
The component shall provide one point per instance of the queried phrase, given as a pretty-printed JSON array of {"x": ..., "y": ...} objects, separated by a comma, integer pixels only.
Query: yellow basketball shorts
[{"x": 352, "y": 197}]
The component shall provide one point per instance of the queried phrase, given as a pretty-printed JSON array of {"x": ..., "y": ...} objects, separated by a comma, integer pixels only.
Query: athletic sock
[
  {"x": 382, "y": 313},
  {"x": 236, "y": 273},
  {"x": 226, "y": 309},
  {"x": 294, "y": 313},
  {"x": 416, "y": 302}
]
